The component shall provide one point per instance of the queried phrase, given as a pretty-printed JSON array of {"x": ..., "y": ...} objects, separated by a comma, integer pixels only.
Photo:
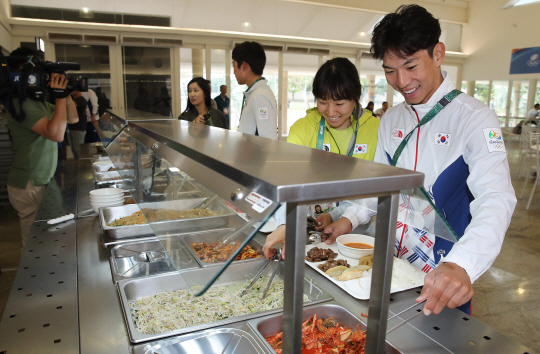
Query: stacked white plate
[{"x": 106, "y": 197}]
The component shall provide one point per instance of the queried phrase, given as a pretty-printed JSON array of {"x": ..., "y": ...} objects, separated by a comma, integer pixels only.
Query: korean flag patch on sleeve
[{"x": 494, "y": 139}]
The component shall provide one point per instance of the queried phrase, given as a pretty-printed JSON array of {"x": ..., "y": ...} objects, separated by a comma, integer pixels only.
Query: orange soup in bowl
[{"x": 358, "y": 245}]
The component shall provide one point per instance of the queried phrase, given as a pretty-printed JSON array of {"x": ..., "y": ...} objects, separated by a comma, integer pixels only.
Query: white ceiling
[{"x": 274, "y": 17}]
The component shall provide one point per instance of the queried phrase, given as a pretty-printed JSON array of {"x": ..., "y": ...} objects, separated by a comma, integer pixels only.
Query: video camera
[
  {"x": 32, "y": 78},
  {"x": 29, "y": 77}
]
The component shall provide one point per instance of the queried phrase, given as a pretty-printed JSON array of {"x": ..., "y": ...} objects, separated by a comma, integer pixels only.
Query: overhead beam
[{"x": 453, "y": 11}]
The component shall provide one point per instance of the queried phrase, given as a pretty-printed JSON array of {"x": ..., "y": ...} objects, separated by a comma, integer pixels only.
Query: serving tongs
[
  {"x": 408, "y": 319},
  {"x": 205, "y": 203},
  {"x": 276, "y": 256},
  {"x": 226, "y": 239}
]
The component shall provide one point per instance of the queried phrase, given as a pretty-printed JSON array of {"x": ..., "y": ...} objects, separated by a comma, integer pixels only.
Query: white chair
[
  {"x": 535, "y": 151},
  {"x": 526, "y": 148}
]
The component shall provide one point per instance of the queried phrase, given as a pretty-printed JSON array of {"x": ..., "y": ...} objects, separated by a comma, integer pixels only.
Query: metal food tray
[
  {"x": 271, "y": 325},
  {"x": 102, "y": 177},
  {"x": 108, "y": 215},
  {"x": 131, "y": 290},
  {"x": 213, "y": 237},
  {"x": 161, "y": 184},
  {"x": 220, "y": 340},
  {"x": 106, "y": 167},
  {"x": 127, "y": 263}
]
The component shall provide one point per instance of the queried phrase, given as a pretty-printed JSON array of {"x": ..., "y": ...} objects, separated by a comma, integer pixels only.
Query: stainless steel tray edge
[
  {"x": 133, "y": 231},
  {"x": 253, "y": 243},
  {"x": 331, "y": 306},
  {"x": 240, "y": 329},
  {"x": 137, "y": 337}
]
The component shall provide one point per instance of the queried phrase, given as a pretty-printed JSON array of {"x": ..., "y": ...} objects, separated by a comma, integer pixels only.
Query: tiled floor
[{"x": 507, "y": 296}]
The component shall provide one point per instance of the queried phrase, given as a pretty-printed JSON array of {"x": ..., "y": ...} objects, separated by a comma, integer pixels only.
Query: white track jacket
[{"x": 462, "y": 154}]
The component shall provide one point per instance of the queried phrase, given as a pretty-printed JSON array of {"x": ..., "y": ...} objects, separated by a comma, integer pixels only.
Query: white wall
[
  {"x": 5, "y": 28},
  {"x": 491, "y": 35}
]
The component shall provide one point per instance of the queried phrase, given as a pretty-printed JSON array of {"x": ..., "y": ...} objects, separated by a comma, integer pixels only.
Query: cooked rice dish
[
  {"x": 171, "y": 310},
  {"x": 154, "y": 215},
  {"x": 404, "y": 275}
]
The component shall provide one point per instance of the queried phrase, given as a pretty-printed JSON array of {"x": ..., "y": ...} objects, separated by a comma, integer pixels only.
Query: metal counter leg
[
  {"x": 295, "y": 237},
  {"x": 383, "y": 256}
]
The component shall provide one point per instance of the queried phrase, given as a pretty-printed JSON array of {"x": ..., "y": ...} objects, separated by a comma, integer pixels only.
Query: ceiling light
[
  {"x": 519, "y": 3},
  {"x": 362, "y": 34},
  {"x": 85, "y": 12},
  {"x": 246, "y": 27}
]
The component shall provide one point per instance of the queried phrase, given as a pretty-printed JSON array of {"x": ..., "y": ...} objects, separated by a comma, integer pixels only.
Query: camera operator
[{"x": 35, "y": 145}]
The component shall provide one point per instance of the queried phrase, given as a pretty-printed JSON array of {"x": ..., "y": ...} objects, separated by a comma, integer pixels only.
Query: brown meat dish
[
  {"x": 333, "y": 263},
  {"x": 317, "y": 254}
]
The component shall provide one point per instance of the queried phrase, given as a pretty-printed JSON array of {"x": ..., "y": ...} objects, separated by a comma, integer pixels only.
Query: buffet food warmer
[
  {"x": 256, "y": 176},
  {"x": 173, "y": 165}
]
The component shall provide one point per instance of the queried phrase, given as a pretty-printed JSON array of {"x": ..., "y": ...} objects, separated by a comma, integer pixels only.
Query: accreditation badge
[{"x": 225, "y": 110}]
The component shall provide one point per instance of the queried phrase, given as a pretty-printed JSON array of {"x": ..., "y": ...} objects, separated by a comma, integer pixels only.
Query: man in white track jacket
[{"x": 460, "y": 151}]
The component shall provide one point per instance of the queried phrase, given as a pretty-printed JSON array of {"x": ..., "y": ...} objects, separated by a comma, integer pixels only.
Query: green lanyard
[
  {"x": 320, "y": 138},
  {"x": 249, "y": 88},
  {"x": 449, "y": 97}
]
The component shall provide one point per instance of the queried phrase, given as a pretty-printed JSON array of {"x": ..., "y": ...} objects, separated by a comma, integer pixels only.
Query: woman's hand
[
  {"x": 200, "y": 120},
  {"x": 278, "y": 236}
]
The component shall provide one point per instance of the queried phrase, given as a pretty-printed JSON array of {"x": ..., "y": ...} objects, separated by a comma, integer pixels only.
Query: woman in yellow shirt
[{"x": 338, "y": 124}]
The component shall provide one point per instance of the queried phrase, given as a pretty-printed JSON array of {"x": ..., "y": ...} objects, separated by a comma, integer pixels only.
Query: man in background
[
  {"x": 91, "y": 111},
  {"x": 533, "y": 113},
  {"x": 223, "y": 103},
  {"x": 259, "y": 107},
  {"x": 370, "y": 106},
  {"x": 381, "y": 111},
  {"x": 77, "y": 131},
  {"x": 35, "y": 136}
]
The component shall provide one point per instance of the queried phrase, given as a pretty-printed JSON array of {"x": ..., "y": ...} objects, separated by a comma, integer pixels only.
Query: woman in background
[{"x": 198, "y": 109}]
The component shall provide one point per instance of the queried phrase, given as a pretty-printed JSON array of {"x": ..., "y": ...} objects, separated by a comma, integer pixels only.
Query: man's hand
[
  {"x": 335, "y": 229},
  {"x": 448, "y": 285},
  {"x": 58, "y": 81},
  {"x": 324, "y": 220},
  {"x": 278, "y": 236}
]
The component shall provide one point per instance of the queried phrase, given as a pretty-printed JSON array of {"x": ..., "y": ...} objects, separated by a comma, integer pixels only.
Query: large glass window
[
  {"x": 186, "y": 74},
  {"x": 464, "y": 86},
  {"x": 481, "y": 89},
  {"x": 380, "y": 91},
  {"x": 499, "y": 97},
  {"x": 300, "y": 69},
  {"x": 518, "y": 100},
  {"x": 147, "y": 79},
  {"x": 94, "y": 60},
  {"x": 218, "y": 70}
]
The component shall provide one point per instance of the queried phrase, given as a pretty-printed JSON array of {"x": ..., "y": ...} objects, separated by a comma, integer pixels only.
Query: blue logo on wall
[{"x": 525, "y": 61}]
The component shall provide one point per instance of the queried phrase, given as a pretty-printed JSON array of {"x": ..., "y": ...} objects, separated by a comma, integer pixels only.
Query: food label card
[{"x": 258, "y": 202}]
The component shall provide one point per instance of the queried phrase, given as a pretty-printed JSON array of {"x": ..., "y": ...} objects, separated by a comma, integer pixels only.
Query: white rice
[{"x": 404, "y": 275}]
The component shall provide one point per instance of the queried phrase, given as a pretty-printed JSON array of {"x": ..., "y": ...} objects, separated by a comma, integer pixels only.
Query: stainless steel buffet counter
[{"x": 64, "y": 298}]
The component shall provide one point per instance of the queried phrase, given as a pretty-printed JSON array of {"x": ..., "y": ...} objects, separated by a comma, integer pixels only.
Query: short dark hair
[
  {"x": 203, "y": 84},
  {"x": 20, "y": 56},
  {"x": 536, "y": 105},
  {"x": 222, "y": 86},
  {"x": 410, "y": 29},
  {"x": 385, "y": 102},
  {"x": 251, "y": 53},
  {"x": 337, "y": 79}
]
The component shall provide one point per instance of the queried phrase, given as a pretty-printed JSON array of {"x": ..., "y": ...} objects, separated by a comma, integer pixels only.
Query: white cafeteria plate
[{"x": 358, "y": 288}]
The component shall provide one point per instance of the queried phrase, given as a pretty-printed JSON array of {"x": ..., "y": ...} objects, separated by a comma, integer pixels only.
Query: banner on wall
[{"x": 525, "y": 61}]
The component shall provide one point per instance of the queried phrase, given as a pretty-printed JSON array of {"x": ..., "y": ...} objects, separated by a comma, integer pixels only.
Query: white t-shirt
[
  {"x": 259, "y": 114},
  {"x": 532, "y": 113}
]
